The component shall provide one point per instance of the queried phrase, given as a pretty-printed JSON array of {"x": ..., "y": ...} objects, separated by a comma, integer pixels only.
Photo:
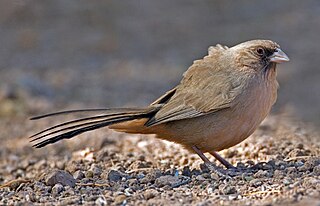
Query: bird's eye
[{"x": 260, "y": 51}]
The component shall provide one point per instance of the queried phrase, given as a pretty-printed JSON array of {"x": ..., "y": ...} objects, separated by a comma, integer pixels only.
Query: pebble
[
  {"x": 256, "y": 182},
  {"x": 70, "y": 200},
  {"x": 167, "y": 180},
  {"x": 200, "y": 178},
  {"x": 278, "y": 174},
  {"x": 101, "y": 201},
  {"x": 150, "y": 193},
  {"x": 119, "y": 199},
  {"x": 186, "y": 171},
  {"x": 89, "y": 174},
  {"x": 316, "y": 170},
  {"x": 151, "y": 177},
  {"x": 291, "y": 172},
  {"x": 114, "y": 176},
  {"x": 78, "y": 175},
  {"x": 261, "y": 174},
  {"x": 96, "y": 170},
  {"x": 287, "y": 181},
  {"x": 60, "y": 176},
  {"x": 310, "y": 182},
  {"x": 214, "y": 176},
  {"x": 56, "y": 189},
  {"x": 128, "y": 192},
  {"x": 228, "y": 190},
  {"x": 247, "y": 178},
  {"x": 69, "y": 190},
  {"x": 232, "y": 197}
]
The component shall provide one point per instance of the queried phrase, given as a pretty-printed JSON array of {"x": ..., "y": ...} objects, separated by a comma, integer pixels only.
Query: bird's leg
[
  {"x": 222, "y": 160},
  {"x": 232, "y": 170},
  {"x": 207, "y": 162}
]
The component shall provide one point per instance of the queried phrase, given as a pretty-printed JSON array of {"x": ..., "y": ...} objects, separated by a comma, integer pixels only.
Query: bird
[{"x": 220, "y": 101}]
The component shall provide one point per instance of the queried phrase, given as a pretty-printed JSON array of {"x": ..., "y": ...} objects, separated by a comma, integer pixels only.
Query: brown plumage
[{"x": 220, "y": 101}]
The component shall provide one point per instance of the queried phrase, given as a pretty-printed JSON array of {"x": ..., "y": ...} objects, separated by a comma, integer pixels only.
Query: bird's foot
[
  {"x": 222, "y": 173},
  {"x": 230, "y": 172},
  {"x": 237, "y": 171}
]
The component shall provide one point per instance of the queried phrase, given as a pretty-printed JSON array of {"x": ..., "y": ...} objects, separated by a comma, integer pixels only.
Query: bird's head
[{"x": 259, "y": 55}]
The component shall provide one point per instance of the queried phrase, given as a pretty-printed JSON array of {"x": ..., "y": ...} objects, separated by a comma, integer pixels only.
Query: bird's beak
[{"x": 279, "y": 56}]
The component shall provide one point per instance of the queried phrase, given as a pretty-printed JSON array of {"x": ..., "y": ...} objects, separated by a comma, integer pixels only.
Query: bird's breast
[{"x": 231, "y": 126}]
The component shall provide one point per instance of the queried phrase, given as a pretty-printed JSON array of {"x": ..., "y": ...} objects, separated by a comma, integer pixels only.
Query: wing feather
[{"x": 207, "y": 87}]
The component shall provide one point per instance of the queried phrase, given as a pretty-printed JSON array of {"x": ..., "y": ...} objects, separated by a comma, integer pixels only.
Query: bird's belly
[
  {"x": 222, "y": 129},
  {"x": 231, "y": 126}
]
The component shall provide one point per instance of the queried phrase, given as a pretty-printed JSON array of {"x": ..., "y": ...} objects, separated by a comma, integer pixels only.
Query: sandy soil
[
  {"x": 109, "y": 168},
  {"x": 60, "y": 54}
]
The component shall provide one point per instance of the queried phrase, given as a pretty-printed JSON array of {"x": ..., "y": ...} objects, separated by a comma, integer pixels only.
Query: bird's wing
[{"x": 208, "y": 86}]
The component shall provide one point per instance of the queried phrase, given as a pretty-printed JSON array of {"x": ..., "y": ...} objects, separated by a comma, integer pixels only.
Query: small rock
[
  {"x": 316, "y": 170},
  {"x": 214, "y": 176},
  {"x": 204, "y": 168},
  {"x": 150, "y": 193},
  {"x": 140, "y": 176},
  {"x": 247, "y": 178},
  {"x": 60, "y": 165},
  {"x": 228, "y": 190},
  {"x": 310, "y": 182},
  {"x": 278, "y": 174},
  {"x": 291, "y": 170},
  {"x": 296, "y": 153},
  {"x": 308, "y": 165},
  {"x": 72, "y": 200},
  {"x": 200, "y": 178},
  {"x": 128, "y": 191},
  {"x": 114, "y": 176},
  {"x": 142, "y": 158},
  {"x": 186, "y": 171},
  {"x": 62, "y": 177},
  {"x": 272, "y": 163},
  {"x": 167, "y": 180},
  {"x": 195, "y": 172},
  {"x": 132, "y": 182},
  {"x": 299, "y": 163},
  {"x": 151, "y": 177},
  {"x": 287, "y": 181},
  {"x": 101, "y": 201},
  {"x": 232, "y": 197},
  {"x": 183, "y": 161},
  {"x": 261, "y": 174},
  {"x": 118, "y": 200},
  {"x": 69, "y": 191},
  {"x": 256, "y": 182},
  {"x": 96, "y": 170},
  {"x": 241, "y": 165},
  {"x": 31, "y": 197},
  {"x": 89, "y": 174},
  {"x": 78, "y": 175},
  {"x": 56, "y": 189}
]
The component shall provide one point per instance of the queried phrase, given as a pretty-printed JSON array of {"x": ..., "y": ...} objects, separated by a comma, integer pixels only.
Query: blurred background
[{"x": 72, "y": 54}]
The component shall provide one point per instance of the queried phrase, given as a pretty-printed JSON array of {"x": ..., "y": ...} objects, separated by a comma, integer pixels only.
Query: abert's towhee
[{"x": 220, "y": 101}]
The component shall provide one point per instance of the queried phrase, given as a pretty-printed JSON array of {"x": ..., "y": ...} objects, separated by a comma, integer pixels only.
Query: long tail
[{"x": 69, "y": 129}]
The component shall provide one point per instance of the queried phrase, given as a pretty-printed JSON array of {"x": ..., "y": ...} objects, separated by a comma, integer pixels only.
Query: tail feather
[
  {"x": 86, "y": 119},
  {"x": 73, "y": 128},
  {"x": 75, "y": 132},
  {"x": 108, "y": 111},
  {"x": 49, "y": 131}
]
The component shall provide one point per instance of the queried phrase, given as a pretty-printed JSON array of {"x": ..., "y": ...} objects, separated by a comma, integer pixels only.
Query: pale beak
[{"x": 279, "y": 56}]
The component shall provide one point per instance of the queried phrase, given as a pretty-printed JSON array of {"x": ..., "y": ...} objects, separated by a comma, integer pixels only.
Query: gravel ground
[
  {"x": 109, "y": 168},
  {"x": 54, "y": 55}
]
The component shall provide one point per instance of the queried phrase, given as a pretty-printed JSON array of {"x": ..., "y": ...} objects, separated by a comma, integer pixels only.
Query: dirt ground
[
  {"x": 58, "y": 55},
  {"x": 109, "y": 168}
]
